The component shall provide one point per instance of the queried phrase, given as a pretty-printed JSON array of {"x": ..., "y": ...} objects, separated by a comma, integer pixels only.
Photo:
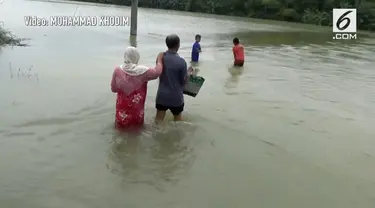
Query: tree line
[{"x": 317, "y": 12}]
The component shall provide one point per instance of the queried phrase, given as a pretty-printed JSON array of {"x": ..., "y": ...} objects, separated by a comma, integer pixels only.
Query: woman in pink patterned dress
[{"x": 129, "y": 81}]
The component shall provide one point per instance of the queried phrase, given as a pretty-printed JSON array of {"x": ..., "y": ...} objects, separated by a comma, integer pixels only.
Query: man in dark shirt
[{"x": 171, "y": 82}]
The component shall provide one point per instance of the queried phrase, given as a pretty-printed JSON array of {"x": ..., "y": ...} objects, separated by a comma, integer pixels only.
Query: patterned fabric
[
  {"x": 130, "y": 108},
  {"x": 131, "y": 95}
]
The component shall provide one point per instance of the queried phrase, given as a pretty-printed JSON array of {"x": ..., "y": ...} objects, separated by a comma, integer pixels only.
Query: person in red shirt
[{"x": 238, "y": 53}]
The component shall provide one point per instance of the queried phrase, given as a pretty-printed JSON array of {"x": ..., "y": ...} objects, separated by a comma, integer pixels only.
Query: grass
[
  {"x": 7, "y": 38},
  {"x": 23, "y": 73}
]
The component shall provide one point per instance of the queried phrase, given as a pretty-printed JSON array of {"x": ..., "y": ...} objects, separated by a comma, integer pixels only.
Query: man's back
[{"x": 172, "y": 81}]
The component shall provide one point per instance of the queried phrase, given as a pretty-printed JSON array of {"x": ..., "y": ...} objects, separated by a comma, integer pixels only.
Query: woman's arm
[
  {"x": 154, "y": 73},
  {"x": 114, "y": 87}
]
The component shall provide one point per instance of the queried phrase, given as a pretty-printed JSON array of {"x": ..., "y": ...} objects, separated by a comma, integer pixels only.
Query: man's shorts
[
  {"x": 238, "y": 63},
  {"x": 175, "y": 110}
]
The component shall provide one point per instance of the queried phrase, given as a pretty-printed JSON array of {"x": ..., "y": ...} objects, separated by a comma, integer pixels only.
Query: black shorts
[
  {"x": 238, "y": 63},
  {"x": 175, "y": 110}
]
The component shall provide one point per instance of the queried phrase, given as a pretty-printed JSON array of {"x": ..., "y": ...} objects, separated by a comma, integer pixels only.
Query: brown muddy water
[{"x": 294, "y": 128}]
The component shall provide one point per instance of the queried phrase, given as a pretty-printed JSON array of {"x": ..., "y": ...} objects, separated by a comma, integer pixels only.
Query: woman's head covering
[
  {"x": 131, "y": 58},
  {"x": 131, "y": 55},
  {"x": 129, "y": 84}
]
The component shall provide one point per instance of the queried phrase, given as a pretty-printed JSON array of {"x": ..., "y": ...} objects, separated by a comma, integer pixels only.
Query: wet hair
[
  {"x": 236, "y": 41},
  {"x": 172, "y": 41},
  {"x": 198, "y": 37}
]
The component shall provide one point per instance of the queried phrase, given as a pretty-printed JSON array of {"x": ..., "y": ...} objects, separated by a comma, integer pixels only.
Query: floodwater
[{"x": 294, "y": 128}]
